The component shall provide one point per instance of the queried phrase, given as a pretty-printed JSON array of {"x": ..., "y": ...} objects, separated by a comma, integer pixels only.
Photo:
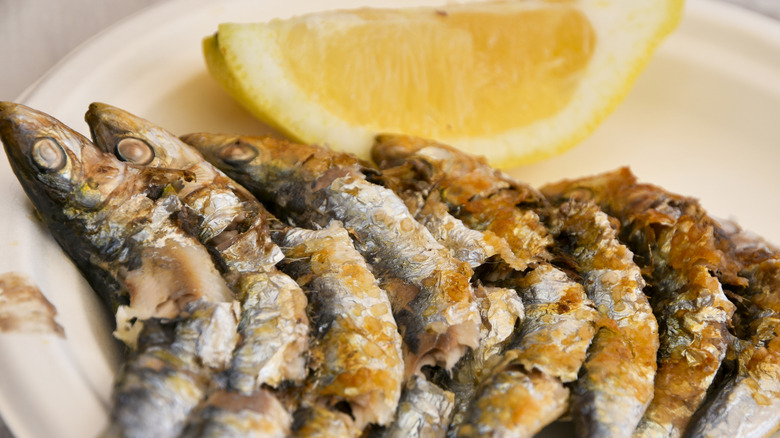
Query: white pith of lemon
[{"x": 514, "y": 81}]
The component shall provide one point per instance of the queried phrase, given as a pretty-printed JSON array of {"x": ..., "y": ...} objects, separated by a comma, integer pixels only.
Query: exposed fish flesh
[
  {"x": 356, "y": 350},
  {"x": 24, "y": 308},
  {"x": 433, "y": 302},
  {"x": 619, "y": 372},
  {"x": 235, "y": 227},
  {"x": 502, "y": 312},
  {"x": 674, "y": 244}
]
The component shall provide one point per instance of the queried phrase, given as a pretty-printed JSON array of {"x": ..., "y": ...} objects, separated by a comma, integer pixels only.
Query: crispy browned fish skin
[
  {"x": 229, "y": 221},
  {"x": 560, "y": 321},
  {"x": 748, "y": 402},
  {"x": 514, "y": 403},
  {"x": 433, "y": 301},
  {"x": 673, "y": 239},
  {"x": 484, "y": 198},
  {"x": 232, "y": 415},
  {"x": 469, "y": 245},
  {"x": 356, "y": 354},
  {"x": 548, "y": 350},
  {"x": 321, "y": 421},
  {"x": 619, "y": 372}
]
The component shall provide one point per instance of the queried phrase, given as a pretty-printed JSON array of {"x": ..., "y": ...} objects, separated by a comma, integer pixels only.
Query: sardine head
[
  {"x": 136, "y": 140},
  {"x": 53, "y": 161}
]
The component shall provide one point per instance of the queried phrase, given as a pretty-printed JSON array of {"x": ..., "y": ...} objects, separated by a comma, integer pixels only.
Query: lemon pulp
[{"x": 463, "y": 74}]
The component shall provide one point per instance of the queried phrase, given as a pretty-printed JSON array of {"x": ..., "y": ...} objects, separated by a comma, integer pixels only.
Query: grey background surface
[{"x": 36, "y": 34}]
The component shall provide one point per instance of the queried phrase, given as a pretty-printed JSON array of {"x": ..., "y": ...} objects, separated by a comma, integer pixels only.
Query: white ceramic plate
[{"x": 703, "y": 120}]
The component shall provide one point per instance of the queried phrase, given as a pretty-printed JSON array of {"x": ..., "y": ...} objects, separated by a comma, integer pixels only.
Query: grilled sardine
[
  {"x": 619, "y": 372},
  {"x": 356, "y": 350},
  {"x": 235, "y": 227},
  {"x": 674, "y": 244},
  {"x": 433, "y": 302}
]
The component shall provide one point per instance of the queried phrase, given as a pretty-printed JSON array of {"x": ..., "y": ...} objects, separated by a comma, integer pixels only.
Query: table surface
[{"x": 36, "y": 34}]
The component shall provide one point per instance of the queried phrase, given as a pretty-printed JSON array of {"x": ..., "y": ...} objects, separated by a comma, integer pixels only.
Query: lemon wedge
[{"x": 514, "y": 81}]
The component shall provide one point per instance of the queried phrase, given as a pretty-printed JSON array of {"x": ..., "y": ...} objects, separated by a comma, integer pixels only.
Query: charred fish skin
[
  {"x": 232, "y": 415},
  {"x": 111, "y": 220},
  {"x": 514, "y": 403},
  {"x": 559, "y": 322},
  {"x": 468, "y": 245},
  {"x": 484, "y": 198},
  {"x": 747, "y": 403},
  {"x": 619, "y": 373},
  {"x": 524, "y": 389},
  {"x": 223, "y": 208},
  {"x": 320, "y": 421},
  {"x": 312, "y": 186},
  {"x": 672, "y": 239},
  {"x": 356, "y": 351},
  {"x": 229, "y": 221},
  {"x": 170, "y": 374}
]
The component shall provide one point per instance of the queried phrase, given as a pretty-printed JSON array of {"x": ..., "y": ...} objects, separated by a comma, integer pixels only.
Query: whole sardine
[
  {"x": 235, "y": 227},
  {"x": 619, "y": 372},
  {"x": 356, "y": 350},
  {"x": 673, "y": 241},
  {"x": 433, "y": 302},
  {"x": 115, "y": 223},
  {"x": 110, "y": 219},
  {"x": 748, "y": 401}
]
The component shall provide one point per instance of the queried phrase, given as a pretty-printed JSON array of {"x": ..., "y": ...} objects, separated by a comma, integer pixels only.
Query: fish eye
[
  {"x": 135, "y": 151},
  {"x": 238, "y": 153},
  {"x": 48, "y": 155}
]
